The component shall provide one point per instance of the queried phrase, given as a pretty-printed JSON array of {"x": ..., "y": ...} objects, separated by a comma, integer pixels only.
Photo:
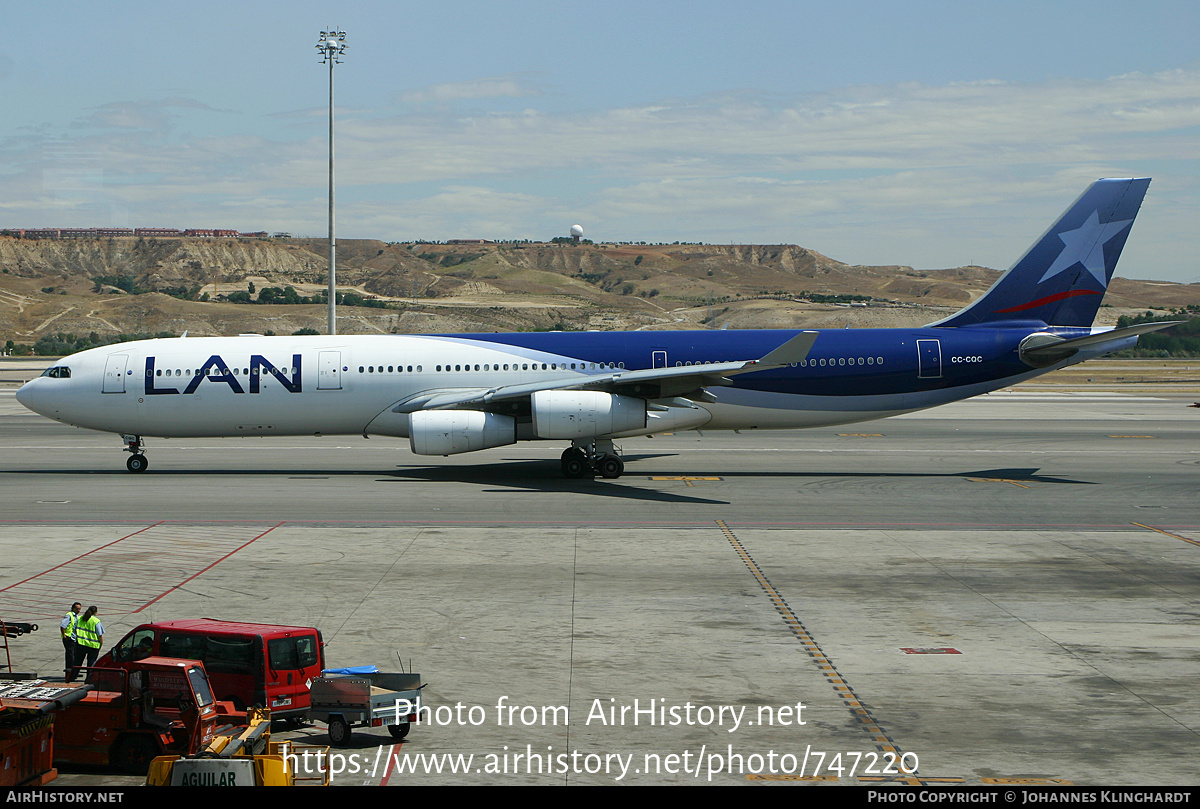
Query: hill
[{"x": 221, "y": 286}]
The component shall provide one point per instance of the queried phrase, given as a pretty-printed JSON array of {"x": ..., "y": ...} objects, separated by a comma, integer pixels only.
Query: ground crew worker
[
  {"x": 89, "y": 634},
  {"x": 67, "y": 626}
]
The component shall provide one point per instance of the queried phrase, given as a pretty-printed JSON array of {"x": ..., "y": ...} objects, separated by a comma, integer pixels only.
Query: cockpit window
[{"x": 58, "y": 372}]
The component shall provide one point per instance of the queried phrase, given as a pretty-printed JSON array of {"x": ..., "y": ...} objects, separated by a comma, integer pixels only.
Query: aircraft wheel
[
  {"x": 610, "y": 466},
  {"x": 399, "y": 731},
  {"x": 574, "y": 463},
  {"x": 137, "y": 463}
]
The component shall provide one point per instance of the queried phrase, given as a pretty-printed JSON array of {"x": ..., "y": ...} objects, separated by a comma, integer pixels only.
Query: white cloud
[
  {"x": 498, "y": 87},
  {"x": 926, "y": 175}
]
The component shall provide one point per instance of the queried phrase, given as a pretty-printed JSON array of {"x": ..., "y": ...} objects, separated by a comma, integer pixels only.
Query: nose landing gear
[
  {"x": 592, "y": 457},
  {"x": 137, "y": 460}
]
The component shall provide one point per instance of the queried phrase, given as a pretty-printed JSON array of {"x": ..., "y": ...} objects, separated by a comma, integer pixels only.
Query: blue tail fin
[{"x": 1062, "y": 278}]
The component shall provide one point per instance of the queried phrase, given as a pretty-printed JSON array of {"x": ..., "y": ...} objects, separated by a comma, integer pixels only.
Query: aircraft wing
[{"x": 649, "y": 383}]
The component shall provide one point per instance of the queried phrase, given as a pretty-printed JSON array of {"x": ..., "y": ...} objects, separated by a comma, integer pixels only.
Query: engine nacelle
[
  {"x": 585, "y": 413},
  {"x": 449, "y": 432}
]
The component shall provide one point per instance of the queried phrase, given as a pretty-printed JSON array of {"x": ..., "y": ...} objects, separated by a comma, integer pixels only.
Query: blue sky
[{"x": 929, "y": 134}]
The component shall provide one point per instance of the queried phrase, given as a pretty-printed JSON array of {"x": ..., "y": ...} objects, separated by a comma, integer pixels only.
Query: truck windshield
[{"x": 199, "y": 683}]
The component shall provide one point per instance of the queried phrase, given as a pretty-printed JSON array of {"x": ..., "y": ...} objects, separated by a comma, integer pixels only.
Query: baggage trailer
[
  {"x": 27, "y": 709},
  {"x": 377, "y": 699}
]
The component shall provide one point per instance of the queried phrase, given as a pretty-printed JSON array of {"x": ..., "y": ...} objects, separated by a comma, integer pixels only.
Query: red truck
[{"x": 267, "y": 665}]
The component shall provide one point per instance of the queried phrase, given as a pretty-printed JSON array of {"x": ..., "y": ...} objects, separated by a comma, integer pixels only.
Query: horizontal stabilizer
[{"x": 1043, "y": 349}]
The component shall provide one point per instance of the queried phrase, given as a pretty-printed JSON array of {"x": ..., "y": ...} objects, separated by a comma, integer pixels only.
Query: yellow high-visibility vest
[{"x": 86, "y": 634}]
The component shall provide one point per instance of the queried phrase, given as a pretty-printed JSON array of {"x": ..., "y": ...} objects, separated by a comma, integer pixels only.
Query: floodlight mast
[{"x": 331, "y": 47}]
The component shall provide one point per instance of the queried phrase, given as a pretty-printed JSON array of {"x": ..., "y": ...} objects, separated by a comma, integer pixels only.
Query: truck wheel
[
  {"x": 339, "y": 731},
  {"x": 399, "y": 731},
  {"x": 133, "y": 755}
]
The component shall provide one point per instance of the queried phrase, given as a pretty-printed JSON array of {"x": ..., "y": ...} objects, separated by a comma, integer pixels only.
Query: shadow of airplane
[{"x": 524, "y": 475}]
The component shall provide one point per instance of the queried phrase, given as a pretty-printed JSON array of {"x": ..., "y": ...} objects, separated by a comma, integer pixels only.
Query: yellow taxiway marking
[
  {"x": 997, "y": 480},
  {"x": 861, "y": 435},
  {"x": 1168, "y": 533},
  {"x": 910, "y": 780},
  {"x": 849, "y": 698},
  {"x": 1030, "y": 782},
  {"x": 1132, "y": 436},
  {"x": 685, "y": 478}
]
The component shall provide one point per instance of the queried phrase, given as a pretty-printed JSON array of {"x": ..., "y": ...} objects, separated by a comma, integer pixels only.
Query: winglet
[{"x": 793, "y": 350}]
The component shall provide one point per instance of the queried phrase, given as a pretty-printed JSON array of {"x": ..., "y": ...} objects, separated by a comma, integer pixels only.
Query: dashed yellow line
[
  {"x": 859, "y": 711},
  {"x": 997, "y": 480},
  {"x": 910, "y": 780},
  {"x": 685, "y": 478},
  {"x": 1028, "y": 782}
]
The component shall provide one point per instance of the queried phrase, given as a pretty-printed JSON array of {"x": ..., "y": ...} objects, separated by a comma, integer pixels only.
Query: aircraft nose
[{"x": 27, "y": 395}]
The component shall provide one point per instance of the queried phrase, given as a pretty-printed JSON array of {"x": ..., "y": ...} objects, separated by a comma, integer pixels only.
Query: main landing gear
[
  {"x": 592, "y": 457},
  {"x": 137, "y": 460}
]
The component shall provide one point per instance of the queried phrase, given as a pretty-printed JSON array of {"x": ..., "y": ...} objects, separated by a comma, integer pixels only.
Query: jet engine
[
  {"x": 585, "y": 414},
  {"x": 449, "y": 432}
]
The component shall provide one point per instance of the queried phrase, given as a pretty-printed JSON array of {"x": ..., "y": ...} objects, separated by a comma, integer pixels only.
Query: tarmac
[{"x": 1004, "y": 590}]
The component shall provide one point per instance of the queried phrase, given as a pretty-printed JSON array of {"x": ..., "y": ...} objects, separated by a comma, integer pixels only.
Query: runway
[{"x": 1005, "y": 588}]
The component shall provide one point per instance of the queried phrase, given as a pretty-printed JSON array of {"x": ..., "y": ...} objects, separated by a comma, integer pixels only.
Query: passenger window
[
  {"x": 188, "y": 647},
  {"x": 230, "y": 655}
]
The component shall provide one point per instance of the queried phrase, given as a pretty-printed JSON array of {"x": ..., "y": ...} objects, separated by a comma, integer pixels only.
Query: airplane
[{"x": 456, "y": 393}]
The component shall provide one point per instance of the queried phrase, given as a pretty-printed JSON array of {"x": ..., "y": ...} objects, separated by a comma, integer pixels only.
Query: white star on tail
[{"x": 1085, "y": 245}]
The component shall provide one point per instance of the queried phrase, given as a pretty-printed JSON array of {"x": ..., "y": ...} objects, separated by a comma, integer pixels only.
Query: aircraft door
[
  {"x": 329, "y": 370},
  {"x": 658, "y": 358},
  {"x": 114, "y": 373},
  {"x": 929, "y": 359}
]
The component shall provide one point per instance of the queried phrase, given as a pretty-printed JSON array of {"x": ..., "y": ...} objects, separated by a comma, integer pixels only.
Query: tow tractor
[{"x": 149, "y": 708}]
